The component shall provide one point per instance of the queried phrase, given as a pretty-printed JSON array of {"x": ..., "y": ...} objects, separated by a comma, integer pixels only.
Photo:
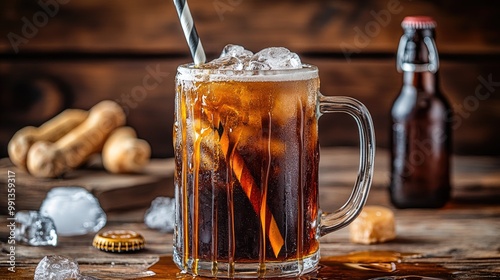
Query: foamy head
[
  {"x": 239, "y": 64},
  {"x": 189, "y": 72}
]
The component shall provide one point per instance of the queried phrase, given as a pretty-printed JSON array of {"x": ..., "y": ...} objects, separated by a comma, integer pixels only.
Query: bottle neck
[
  {"x": 418, "y": 60},
  {"x": 426, "y": 81}
]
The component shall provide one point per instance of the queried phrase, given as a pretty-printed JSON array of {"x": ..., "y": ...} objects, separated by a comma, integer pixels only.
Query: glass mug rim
[{"x": 189, "y": 72}]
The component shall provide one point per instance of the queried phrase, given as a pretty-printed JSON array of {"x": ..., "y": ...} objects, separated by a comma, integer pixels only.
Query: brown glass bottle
[{"x": 420, "y": 123}]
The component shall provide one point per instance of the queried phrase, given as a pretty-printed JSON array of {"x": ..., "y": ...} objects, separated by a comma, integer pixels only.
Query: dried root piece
[
  {"x": 50, "y": 131},
  {"x": 46, "y": 159},
  {"x": 375, "y": 224},
  {"x": 123, "y": 152}
]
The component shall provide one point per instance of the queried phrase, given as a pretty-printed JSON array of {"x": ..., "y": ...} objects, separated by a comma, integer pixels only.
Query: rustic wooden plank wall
[{"x": 73, "y": 53}]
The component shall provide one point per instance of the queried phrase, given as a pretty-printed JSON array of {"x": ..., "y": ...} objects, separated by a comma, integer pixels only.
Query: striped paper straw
[
  {"x": 243, "y": 174},
  {"x": 189, "y": 29}
]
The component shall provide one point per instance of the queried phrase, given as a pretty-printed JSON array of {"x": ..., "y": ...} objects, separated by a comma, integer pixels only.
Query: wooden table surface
[{"x": 459, "y": 241}]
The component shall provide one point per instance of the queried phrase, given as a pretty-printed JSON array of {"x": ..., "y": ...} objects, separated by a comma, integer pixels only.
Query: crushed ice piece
[
  {"x": 57, "y": 268},
  {"x": 74, "y": 210},
  {"x": 161, "y": 214},
  {"x": 257, "y": 65},
  {"x": 275, "y": 58},
  {"x": 234, "y": 57},
  {"x": 225, "y": 63},
  {"x": 35, "y": 229},
  {"x": 236, "y": 51}
]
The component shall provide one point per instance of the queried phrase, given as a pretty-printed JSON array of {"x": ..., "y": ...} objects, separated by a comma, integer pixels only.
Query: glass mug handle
[{"x": 349, "y": 211}]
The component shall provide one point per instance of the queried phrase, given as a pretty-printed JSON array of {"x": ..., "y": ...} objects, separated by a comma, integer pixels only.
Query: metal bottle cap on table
[{"x": 119, "y": 241}]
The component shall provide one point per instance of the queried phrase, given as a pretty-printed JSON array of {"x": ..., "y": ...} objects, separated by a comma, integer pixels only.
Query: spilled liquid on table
[{"x": 373, "y": 265}]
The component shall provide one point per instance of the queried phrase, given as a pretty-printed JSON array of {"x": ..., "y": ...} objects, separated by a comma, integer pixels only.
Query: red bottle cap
[{"x": 418, "y": 22}]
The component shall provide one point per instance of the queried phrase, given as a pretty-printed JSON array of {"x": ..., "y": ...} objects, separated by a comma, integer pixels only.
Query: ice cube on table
[
  {"x": 74, "y": 210},
  {"x": 35, "y": 229},
  {"x": 161, "y": 214},
  {"x": 275, "y": 58},
  {"x": 57, "y": 268}
]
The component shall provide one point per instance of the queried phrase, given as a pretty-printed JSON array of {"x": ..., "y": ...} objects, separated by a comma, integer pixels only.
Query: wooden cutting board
[{"x": 114, "y": 191}]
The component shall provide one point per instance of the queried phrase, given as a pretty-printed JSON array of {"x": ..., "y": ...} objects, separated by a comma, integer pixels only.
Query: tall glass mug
[{"x": 246, "y": 177}]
